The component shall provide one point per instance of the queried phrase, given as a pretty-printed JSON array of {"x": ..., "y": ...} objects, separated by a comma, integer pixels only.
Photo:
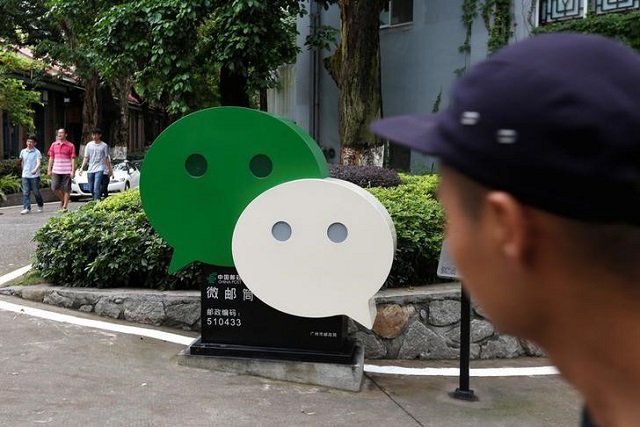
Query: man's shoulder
[{"x": 69, "y": 145}]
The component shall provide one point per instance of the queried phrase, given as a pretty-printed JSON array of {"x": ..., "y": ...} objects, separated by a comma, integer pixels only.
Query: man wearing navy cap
[{"x": 540, "y": 153}]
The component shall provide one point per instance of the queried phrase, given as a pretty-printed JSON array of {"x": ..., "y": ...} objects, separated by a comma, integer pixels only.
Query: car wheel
[{"x": 126, "y": 186}]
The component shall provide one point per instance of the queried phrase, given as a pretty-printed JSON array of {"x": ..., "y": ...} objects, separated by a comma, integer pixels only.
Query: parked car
[{"x": 126, "y": 175}]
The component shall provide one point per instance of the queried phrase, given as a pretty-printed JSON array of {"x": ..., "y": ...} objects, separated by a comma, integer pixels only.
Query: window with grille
[{"x": 560, "y": 10}]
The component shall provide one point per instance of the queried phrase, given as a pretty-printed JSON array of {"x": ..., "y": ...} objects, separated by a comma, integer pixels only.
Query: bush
[
  {"x": 366, "y": 176},
  {"x": 112, "y": 244},
  {"x": 11, "y": 176},
  {"x": 419, "y": 223},
  {"x": 10, "y": 167},
  {"x": 421, "y": 184},
  {"x": 108, "y": 244},
  {"x": 10, "y": 184}
]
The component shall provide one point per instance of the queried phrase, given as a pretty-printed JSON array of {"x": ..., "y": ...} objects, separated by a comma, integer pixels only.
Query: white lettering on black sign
[{"x": 446, "y": 268}]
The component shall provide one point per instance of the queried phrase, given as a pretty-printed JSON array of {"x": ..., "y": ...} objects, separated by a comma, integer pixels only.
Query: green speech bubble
[{"x": 204, "y": 169}]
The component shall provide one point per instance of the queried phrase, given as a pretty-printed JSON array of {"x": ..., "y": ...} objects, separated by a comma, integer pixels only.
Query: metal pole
[{"x": 463, "y": 392}]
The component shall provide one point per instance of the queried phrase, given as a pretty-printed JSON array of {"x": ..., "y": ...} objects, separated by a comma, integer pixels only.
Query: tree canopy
[
  {"x": 179, "y": 55},
  {"x": 184, "y": 55},
  {"x": 15, "y": 98},
  {"x": 178, "y": 48}
]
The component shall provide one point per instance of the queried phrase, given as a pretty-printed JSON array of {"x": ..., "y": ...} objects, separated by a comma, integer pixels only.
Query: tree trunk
[
  {"x": 233, "y": 87},
  {"x": 264, "y": 105},
  {"x": 120, "y": 141},
  {"x": 154, "y": 121},
  {"x": 147, "y": 118},
  {"x": 90, "y": 107},
  {"x": 109, "y": 112},
  {"x": 354, "y": 67}
]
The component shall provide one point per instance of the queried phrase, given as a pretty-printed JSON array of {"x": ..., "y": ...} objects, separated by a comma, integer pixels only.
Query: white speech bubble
[{"x": 315, "y": 248}]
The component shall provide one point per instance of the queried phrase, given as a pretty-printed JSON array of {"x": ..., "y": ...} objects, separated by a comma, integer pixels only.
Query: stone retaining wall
[
  {"x": 15, "y": 199},
  {"x": 424, "y": 323},
  {"x": 418, "y": 323}
]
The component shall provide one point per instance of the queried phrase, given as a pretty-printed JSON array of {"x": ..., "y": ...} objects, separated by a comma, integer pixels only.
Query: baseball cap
[{"x": 554, "y": 120}]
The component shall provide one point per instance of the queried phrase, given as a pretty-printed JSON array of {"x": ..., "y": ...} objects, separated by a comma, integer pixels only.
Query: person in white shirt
[{"x": 96, "y": 153}]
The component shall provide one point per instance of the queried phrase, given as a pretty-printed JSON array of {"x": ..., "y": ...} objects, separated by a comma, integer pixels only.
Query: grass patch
[{"x": 31, "y": 277}]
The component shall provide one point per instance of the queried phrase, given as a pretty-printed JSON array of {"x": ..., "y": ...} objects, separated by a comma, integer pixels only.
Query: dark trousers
[
  {"x": 105, "y": 186},
  {"x": 31, "y": 185}
]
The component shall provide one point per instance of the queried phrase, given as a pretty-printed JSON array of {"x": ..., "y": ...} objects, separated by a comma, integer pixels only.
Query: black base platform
[{"x": 346, "y": 356}]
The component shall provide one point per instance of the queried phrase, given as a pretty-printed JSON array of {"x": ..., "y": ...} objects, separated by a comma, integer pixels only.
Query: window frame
[{"x": 389, "y": 24}]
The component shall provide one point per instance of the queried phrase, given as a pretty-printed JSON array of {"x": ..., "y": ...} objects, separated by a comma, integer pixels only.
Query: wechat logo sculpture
[
  {"x": 204, "y": 169},
  {"x": 242, "y": 188},
  {"x": 315, "y": 248}
]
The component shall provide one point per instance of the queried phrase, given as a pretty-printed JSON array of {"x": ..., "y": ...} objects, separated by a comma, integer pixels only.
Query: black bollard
[{"x": 463, "y": 392}]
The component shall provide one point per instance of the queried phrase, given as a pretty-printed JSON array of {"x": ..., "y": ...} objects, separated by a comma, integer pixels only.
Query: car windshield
[{"x": 123, "y": 166}]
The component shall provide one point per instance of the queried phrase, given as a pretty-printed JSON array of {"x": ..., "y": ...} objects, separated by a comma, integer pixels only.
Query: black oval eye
[
  {"x": 261, "y": 166},
  {"x": 337, "y": 232},
  {"x": 196, "y": 165},
  {"x": 281, "y": 231}
]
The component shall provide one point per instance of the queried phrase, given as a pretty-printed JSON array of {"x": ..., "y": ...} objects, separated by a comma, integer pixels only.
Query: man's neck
[{"x": 581, "y": 347}]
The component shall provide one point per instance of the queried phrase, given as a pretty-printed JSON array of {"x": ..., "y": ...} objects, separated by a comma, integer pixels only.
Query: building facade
[{"x": 421, "y": 56}]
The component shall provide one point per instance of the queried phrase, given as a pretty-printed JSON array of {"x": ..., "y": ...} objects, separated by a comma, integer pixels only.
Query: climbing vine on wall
[
  {"x": 624, "y": 26},
  {"x": 498, "y": 18},
  {"x": 469, "y": 14},
  {"x": 436, "y": 103}
]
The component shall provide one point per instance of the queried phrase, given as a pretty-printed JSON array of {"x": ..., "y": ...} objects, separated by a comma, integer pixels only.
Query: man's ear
[{"x": 509, "y": 224}]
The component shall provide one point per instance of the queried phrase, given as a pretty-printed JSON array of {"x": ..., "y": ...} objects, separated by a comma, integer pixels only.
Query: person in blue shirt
[{"x": 30, "y": 160}]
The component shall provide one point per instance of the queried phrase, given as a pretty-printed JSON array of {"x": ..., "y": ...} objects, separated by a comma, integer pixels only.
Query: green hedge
[
  {"x": 10, "y": 167},
  {"x": 419, "y": 221},
  {"x": 11, "y": 176},
  {"x": 365, "y": 176},
  {"x": 10, "y": 184},
  {"x": 107, "y": 244},
  {"x": 112, "y": 244}
]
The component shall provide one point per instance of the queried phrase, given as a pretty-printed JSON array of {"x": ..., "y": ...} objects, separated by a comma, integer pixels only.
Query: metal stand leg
[{"x": 463, "y": 392}]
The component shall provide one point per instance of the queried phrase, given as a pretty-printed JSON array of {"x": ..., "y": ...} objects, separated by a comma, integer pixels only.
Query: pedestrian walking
[
  {"x": 30, "y": 161},
  {"x": 96, "y": 154},
  {"x": 62, "y": 155}
]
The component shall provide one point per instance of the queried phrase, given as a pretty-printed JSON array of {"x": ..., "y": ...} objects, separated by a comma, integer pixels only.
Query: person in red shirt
[{"x": 62, "y": 154}]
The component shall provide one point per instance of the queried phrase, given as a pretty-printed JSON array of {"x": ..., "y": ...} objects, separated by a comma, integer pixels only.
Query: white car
[{"x": 126, "y": 175}]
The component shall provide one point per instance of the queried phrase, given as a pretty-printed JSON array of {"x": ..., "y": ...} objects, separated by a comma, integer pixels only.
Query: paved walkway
[{"x": 61, "y": 374}]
